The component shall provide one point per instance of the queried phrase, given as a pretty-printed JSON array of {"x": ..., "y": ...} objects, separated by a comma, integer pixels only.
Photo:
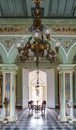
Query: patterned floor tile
[{"x": 28, "y": 121}]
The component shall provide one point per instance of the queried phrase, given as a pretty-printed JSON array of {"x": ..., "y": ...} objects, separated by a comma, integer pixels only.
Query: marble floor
[{"x": 38, "y": 121}]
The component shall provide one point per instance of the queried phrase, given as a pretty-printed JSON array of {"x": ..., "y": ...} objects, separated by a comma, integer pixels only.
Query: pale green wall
[
  {"x": 19, "y": 87},
  {"x": 9, "y": 54}
]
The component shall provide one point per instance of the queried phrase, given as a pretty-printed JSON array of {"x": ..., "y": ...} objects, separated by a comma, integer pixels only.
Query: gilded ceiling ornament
[{"x": 67, "y": 43}]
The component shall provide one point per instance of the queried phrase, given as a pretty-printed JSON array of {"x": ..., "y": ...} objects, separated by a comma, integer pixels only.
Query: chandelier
[
  {"x": 39, "y": 42},
  {"x": 37, "y": 84}
]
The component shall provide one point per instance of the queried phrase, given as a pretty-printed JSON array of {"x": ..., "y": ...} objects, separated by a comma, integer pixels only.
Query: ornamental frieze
[
  {"x": 18, "y": 29},
  {"x": 13, "y": 30},
  {"x": 64, "y": 29}
]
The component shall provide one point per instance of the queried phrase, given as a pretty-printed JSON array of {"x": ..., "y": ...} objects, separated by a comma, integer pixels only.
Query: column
[
  {"x": 66, "y": 92},
  {"x": 75, "y": 88},
  {"x": 9, "y": 87}
]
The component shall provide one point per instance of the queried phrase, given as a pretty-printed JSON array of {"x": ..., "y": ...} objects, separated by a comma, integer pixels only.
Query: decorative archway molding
[
  {"x": 71, "y": 53},
  {"x": 10, "y": 55}
]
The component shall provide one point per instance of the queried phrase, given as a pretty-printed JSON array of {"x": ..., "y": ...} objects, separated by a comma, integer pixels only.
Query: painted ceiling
[
  {"x": 16, "y": 16},
  {"x": 49, "y": 8}
]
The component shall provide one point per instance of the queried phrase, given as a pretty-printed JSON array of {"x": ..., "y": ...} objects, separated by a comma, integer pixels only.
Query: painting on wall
[
  {"x": 7, "y": 94},
  {"x": 67, "y": 93},
  {"x": 0, "y": 90}
]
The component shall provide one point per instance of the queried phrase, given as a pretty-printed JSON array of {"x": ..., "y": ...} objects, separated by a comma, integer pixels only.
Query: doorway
[
  {"x": 37, "y": 94},
  {"x": 47, "y": 79}
]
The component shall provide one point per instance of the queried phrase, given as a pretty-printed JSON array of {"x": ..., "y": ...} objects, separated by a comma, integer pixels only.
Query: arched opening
[
  {"x": 27, "y": 79},
  {"x": 24, "y": 93},
  {"x": 37, "y": 94},
  {"x": 47, "y": 89}
]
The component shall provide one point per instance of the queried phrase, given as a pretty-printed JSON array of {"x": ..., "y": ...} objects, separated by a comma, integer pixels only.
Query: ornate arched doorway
[{"x": 37, "y": 93}]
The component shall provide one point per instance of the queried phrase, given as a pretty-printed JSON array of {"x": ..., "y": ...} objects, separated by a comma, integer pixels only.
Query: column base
[
  {"x": 71, "y": 119},
  {"x": 66, "y": 119},
  {"x": 5, "y": 121},
  {"x": 62, "y": 118},
  {"x": 9, "y": 119},
  {"x": 1, "y": 119}
]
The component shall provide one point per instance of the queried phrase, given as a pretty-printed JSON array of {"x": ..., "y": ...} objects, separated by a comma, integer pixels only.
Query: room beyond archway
[
  {"x": 48, "y": 78},
  {"x": 37, "y": 94}
]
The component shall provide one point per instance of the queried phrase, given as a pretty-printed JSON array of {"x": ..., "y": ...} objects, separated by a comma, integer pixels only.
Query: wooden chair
[
  {"x": 31, "y": 105},
  {"x": 43, "y": 106},
  {"x": 37, "y": 108}
]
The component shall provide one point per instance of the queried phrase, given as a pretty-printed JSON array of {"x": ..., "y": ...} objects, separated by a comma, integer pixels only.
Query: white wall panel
[
  {"x": 25, "y": 90},
  {"x": 50, "y": 88}
]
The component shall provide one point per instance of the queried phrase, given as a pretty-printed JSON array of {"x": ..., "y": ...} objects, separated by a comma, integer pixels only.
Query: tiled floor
[{"x": 29, "y": 121}]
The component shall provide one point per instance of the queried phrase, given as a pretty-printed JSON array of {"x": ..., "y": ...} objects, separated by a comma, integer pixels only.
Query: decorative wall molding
[
  {"x": 10, "y": 29},
  {"x": 23, "y": 29},
  {"x": 64, "y": 29}
]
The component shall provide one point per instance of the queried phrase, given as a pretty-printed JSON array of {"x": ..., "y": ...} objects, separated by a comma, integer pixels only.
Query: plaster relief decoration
[
  {"x": 10, "y": 29},
  {"x": 23, "y": 29},
  {"x": 67, "y": 42},
  {"x": 7, "y": 95},
  {"x": 64, "y": 30},
  {"x": 67, "y": 94},
  {"x": 8, "y": 42}
]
